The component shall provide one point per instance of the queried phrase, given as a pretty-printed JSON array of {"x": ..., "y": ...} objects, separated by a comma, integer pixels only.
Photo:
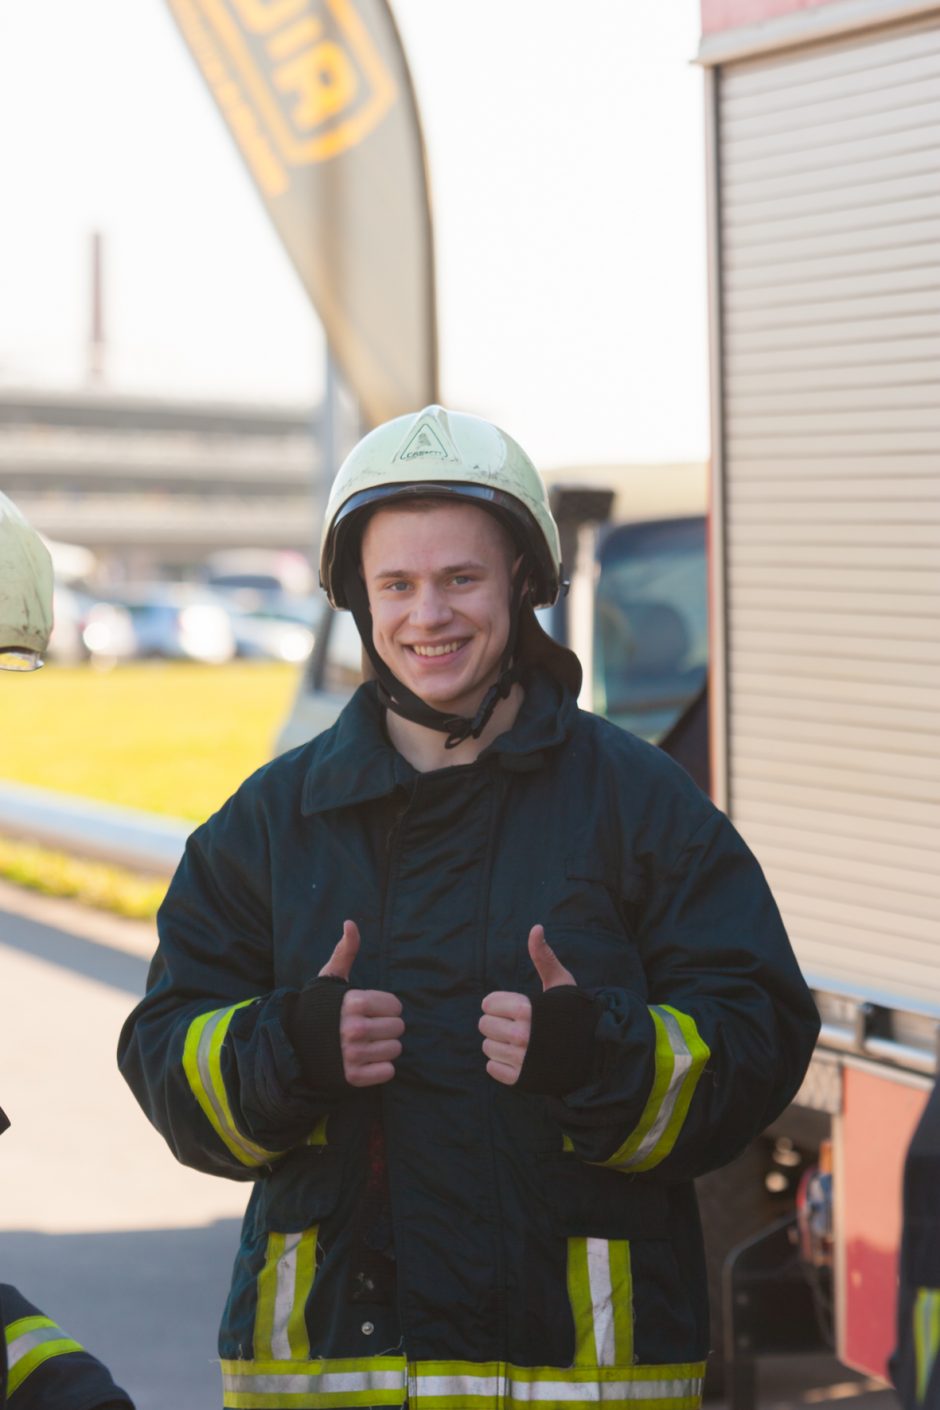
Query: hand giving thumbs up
[
  {"x": 506, "y": 1024},
  {"x": 370, "y": 1023}
]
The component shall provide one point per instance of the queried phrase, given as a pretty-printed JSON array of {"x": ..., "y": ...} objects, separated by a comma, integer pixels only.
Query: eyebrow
[{"x": 442, "y": 572}]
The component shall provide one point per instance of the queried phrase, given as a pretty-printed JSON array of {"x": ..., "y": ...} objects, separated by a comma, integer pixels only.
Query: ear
[{"x": 526, "y": 585}]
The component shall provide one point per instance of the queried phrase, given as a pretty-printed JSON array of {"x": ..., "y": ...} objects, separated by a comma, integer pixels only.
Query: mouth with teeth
[{"x": 431, "y": 650}]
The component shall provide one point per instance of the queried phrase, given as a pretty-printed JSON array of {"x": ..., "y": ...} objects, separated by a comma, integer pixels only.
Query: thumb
[
  {"x": 549, "y": 967},
  {"x": 340, "y": 963}
]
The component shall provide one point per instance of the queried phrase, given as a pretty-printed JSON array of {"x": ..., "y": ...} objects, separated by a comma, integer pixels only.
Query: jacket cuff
[
  {"x": 311, "y": 1022},
  {"x": 560, "y": 1054}
]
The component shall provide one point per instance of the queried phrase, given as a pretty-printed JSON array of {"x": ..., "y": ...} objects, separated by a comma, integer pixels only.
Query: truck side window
[{"x": 651, "y": 626}]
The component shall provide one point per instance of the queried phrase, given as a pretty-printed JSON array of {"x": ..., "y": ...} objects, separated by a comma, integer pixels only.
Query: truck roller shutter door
[{"x": 829, "y": 209}]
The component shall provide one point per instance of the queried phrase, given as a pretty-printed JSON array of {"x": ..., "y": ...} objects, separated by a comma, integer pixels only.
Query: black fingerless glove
[
  {"x": 560, "y": 1054},
  {"x": 311, "y": 1021}
]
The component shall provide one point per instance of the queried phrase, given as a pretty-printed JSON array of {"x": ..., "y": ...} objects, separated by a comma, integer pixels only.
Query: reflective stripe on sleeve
[
  {"x": 317, "y": 1136},
  {"x": 284, "y": 1287},
  {"x": 31, "y": 1341},
  {"x": 457, "y": 1385},
  {"x": 202, "y": 1063},
  {"x": 681, "y": 1055},
  {"x": 926, "y": 1338},
  {"x": 600, "y": 1289}
]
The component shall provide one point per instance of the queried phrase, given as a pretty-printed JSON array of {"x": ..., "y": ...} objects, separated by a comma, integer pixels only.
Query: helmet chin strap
[{"x": 396, "y": 696}]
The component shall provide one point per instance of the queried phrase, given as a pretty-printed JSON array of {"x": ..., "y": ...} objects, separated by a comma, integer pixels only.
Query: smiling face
[{"x": 438, "y": 578}]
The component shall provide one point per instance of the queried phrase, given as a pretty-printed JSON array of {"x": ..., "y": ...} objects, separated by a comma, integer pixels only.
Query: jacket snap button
[{"x": 368, "y": 1328}]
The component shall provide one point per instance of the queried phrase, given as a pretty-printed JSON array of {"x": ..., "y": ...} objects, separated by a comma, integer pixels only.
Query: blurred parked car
[
  {"x": 108, "y": 633},
  {"x": 278, "y": 633},
  {"x": 177, "y": 621}
]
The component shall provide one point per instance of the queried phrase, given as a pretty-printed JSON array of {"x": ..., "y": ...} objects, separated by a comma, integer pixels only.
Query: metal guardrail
[{"x": 123, "y": 836}]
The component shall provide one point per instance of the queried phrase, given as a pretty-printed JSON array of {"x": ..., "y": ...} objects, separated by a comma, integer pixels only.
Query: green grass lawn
[{"x": 166, "y": 737}]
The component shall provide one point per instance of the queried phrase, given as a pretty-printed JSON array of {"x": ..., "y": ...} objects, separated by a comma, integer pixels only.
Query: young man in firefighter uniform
[
  {"x": 41, "y": 1366},
  {"x": 471, "y": 987}
]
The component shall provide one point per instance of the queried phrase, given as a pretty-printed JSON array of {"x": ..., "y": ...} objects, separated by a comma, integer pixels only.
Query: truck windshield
[{"x": 651, "y": 626}]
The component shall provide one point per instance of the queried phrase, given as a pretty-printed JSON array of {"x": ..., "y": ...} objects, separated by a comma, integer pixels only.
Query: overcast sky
[{"x": 566, "y": 157}]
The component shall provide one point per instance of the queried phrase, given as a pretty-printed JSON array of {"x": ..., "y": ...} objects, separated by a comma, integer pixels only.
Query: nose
[{"x": 430, "y": 608}]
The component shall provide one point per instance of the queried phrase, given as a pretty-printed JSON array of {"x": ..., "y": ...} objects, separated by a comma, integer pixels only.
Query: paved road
[{"x": 98, "y": 1224}]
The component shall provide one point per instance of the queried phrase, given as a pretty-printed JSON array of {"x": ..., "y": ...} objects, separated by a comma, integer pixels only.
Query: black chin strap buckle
[
  {"x": 458, "y": 730},
  {"x": 461, "y": 729}
]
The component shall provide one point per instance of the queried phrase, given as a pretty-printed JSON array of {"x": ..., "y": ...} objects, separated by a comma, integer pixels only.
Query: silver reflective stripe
[
  {"x": 533, "y": 1391},
  {"x": 27, "y": 1341},
  {"x": 602, "y": 1301},
  {"x": 491, "y": 1386},
  {"x": 327, "y": 1383},
  {"x": 681, "y": 1065},
  {"x": 284, "y": 1298}
]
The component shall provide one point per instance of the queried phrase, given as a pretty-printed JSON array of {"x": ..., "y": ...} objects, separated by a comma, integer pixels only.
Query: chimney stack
[{"x": 96, "y": 339}]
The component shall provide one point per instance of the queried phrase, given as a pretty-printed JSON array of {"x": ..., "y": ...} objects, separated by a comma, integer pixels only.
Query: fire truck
[{"x": 823, "y": 175}]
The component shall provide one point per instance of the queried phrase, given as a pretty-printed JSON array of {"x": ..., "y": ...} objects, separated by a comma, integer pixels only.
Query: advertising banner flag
[{"x": 318, "y": 98}]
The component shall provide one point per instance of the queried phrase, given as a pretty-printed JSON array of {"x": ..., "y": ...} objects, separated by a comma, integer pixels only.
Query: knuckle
[{"x": 352, "y": 1029}]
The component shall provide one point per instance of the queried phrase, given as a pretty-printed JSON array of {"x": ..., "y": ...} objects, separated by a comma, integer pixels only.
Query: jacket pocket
[
  {"x": 605, "y": 1223},
  {"x": 596, "y": 912},
  {"x": 624, "y": 884},
  {"x": 598, "y": 957},
  {"x": 303, "y": 1190},
  {"x": 589, "y": 1201}
]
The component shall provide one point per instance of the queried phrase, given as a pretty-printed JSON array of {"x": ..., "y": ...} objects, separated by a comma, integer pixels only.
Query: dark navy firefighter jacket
[{"x": 444, "y": 1240}]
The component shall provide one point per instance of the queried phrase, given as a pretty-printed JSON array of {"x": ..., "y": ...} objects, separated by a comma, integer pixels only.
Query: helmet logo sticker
[{"x": 427, "y": 442}]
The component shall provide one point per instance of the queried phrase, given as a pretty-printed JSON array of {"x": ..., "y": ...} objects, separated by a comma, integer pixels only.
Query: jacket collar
[{"x": 353, "y": 762}]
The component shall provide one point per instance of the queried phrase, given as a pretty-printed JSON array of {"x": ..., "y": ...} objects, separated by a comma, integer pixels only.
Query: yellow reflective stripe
[
  {"x": 202, "y": 1063},
  {"x": 600, "y": 1290},
  {"x": 458, "y": 1385},
  {"x": 266, "y": 1294},
  {"x": 579, "y": 1295},
  {"x": 926, "y": 1338},
  {"x": 680, "y": 1058},
  {"x": 317, "y": 1136},
  {"x": 284, "y": 1287},
  {"x": 31, "y": 1341}
]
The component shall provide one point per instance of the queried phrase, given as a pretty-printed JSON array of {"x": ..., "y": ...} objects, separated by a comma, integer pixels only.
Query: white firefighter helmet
[
  {"x": 447, "y": 455},
  {"x": 25, "y": 592}
]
